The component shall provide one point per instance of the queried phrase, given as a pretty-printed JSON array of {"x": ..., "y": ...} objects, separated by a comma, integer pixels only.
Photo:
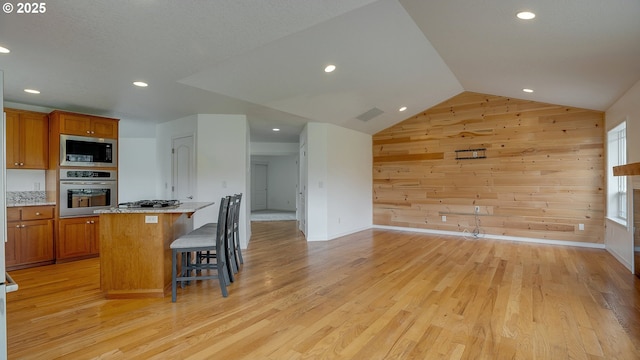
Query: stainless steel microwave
[{"x": 88, "y": 151}]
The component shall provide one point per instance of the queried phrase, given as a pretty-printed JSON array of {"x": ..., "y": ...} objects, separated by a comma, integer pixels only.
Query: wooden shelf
[{"x": 627, "y": 170}]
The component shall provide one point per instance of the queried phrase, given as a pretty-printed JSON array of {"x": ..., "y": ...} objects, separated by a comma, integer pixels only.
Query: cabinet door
[
  {"x": 11, "y": 247},
  {"x": 73, "y": 240},
  {"x": 104, "y": 128},
  {"x": 27, "y": 140},
  {"x": 36, "y": 241},
  {"x": 93, "y": 234},
  {"x": 13, "y": 139},
  {"x": 74, "y": 124},
  {"x": 34, "y": 141}
]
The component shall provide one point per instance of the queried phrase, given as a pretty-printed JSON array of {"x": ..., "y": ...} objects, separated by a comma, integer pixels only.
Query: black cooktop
[{"x": 149, "y": 204}]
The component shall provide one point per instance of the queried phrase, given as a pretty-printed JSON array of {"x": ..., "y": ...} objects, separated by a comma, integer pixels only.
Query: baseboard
[
  {"x": 624, "y": 262},
  {"x": 494, "y": 237}
]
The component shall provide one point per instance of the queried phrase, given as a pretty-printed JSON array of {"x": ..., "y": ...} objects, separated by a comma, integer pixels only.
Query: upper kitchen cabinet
[
  {"x": 27, "y": 139},
  {"x": 86, "y": 125}
]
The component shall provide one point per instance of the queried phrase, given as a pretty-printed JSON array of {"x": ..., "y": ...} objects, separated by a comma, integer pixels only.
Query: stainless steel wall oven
[{"x": 82, "y": 191}]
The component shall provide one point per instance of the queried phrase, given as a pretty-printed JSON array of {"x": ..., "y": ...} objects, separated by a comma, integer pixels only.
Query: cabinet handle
[
  {"x": 23, "y": 225},
  {"x": 37, "y": 214},
  {"x": 15, "y": 164},
  {"x": 88, "y": 132},
  {"x": 18, "y": 225},
  {"x": 93, "y": 222},
  {"x": 21, "y": 164}
]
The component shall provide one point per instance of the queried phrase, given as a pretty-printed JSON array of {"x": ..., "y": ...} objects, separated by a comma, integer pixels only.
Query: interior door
[
  {"x": 183, "y": 168},
  {"x": 259, "y": 186}
]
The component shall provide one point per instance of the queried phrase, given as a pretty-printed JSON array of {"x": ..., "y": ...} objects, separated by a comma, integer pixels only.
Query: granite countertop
[
  {"x": 186, "y": 207},
  {"x": 30, "y": 203}
]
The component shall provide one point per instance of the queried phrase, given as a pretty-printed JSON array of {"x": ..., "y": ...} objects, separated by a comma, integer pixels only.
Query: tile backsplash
[{"x": 26, "y": 196}]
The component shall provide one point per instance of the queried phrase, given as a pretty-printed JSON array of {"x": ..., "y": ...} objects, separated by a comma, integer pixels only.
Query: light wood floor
[{"x": 371, "y": 295}]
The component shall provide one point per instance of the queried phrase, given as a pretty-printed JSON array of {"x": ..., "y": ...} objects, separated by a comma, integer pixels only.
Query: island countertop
[{"x": 183, "y": 208}]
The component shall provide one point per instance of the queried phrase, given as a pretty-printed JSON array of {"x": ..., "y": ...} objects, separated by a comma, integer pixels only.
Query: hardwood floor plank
[{"x": 376, "y": 294}]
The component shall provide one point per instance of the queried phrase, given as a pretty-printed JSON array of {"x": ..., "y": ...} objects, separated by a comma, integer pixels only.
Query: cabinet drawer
[
  {"x": 37, "y": 212},
  {"x": 13, "y": 214}
]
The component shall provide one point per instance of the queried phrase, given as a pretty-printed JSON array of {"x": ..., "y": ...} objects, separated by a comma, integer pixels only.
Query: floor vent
[{"x": 370, "y": 114}]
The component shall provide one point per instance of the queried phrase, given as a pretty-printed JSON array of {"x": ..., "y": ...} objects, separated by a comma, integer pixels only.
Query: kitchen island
[{"x": 135, "y": 258}]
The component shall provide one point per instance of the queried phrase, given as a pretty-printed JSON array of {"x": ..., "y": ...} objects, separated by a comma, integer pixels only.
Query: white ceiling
[{"x": 266, "y": 58}]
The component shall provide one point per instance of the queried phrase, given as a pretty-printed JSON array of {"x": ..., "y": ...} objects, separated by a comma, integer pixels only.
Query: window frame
[{"x": 617, "y": 199}]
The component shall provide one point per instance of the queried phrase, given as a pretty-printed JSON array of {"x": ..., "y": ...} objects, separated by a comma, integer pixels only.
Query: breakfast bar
[{"x": 135, "y": 258}]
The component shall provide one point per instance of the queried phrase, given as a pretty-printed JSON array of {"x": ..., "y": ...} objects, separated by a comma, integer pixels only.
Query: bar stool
[{"x": 196, "y": 243}]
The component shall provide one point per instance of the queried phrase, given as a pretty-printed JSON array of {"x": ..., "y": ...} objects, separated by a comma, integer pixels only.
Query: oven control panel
[{"x": 83, "y": 174}]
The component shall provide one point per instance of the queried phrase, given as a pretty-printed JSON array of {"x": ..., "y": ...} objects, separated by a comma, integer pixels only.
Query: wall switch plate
[
  {"x": 151, "y": 219},
  {"x": 580, "y": 226},
  {"x": 444, "y": 218}
]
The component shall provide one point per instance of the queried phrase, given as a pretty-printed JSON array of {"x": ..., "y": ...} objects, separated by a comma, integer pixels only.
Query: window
[{"x": 617, "y": 185}]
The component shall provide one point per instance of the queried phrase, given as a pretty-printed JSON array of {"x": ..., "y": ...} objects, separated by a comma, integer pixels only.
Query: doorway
[
  {"x": 259, "y": 186},
  {"x": 274, "y": 187}
]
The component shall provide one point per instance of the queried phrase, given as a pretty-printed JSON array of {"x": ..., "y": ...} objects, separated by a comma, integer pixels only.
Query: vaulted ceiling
[{"x": 266, "y": 58}]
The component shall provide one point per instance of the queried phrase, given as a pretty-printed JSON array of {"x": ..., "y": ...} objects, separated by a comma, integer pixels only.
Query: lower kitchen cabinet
[
  {"x": 29, "y": 237},
  {"x": 77, "y": 238}
]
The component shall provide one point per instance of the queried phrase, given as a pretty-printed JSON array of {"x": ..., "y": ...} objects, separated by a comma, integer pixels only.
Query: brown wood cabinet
[
  {"x": 77, "y": 238},
  {"x": 87, "y": 125},
  {"x": 29, "y": 237},
  {"x": 27, "y": 139}
]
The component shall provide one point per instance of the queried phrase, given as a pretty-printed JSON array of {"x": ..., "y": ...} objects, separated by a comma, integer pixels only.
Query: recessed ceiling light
[
  {"x": 527, "y": 90},
  {"x": 275, "y": 129},
  {"x": 140, "y": 83},
  {"x": 329, "y": 68},
  {"x": 4, "y": 50},
  {"x": 525, "y": 15},
  {"x": 402, "y": 108},
  {"x": 31, "y": 91}
]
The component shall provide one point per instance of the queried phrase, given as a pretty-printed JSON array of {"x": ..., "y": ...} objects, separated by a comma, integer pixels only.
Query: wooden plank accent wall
[{"x": 543, "y": 174}]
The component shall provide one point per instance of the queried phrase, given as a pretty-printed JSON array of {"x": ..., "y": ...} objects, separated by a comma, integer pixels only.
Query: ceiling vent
[{"x": 370, "y": 114}]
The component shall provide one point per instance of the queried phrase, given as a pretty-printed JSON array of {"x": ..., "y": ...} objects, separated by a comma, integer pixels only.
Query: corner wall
[
  {"x": 338, "y": 191},
  {"x": 618, "y": 238}
]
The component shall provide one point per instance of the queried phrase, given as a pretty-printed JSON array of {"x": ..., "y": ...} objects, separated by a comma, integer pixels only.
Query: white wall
[
  {"x": 260, "y": 148},
  {"x": 339, "y": 178},
  {"x": 619, "y": 239},
  {"x": 221, "y": 163},
  {"x": 25, "y": 180},
  {"x": 222, "y": 153},
  {"x": 165, "y": 132},
  {"x": 137, "y": 161},
  {"x": 350, "y": 179},
  {"x": 282, "y": 180},
  {"x": 137, "y": 169},
  {"x": 316, "y": 197}
]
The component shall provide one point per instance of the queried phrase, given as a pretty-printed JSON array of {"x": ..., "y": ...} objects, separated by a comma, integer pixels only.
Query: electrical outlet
[
  {"x": 444, "y": 218},
  {"x": 477, "y": 209},
  {"x": 581, "y": 227},
  {"x": 151, "y": 219}
]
